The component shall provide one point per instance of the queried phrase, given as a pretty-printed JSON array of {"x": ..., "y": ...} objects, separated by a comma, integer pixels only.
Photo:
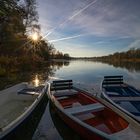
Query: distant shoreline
[{"x": 106, "y": 60}]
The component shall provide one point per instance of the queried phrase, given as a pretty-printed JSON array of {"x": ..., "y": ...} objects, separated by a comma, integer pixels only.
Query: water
[
  {"x": 90, "y": 75},
  {"x": 87, "y": 74}
]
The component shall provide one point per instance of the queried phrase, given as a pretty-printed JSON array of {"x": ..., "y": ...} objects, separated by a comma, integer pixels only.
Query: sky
[{"x": 88, "y": 28}]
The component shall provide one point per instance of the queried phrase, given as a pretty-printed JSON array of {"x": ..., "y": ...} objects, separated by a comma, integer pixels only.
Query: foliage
[
  {"x": 18, "y": 19},
  {"x": 11, "y": 26},
  {"x": 131, "y": 55}
]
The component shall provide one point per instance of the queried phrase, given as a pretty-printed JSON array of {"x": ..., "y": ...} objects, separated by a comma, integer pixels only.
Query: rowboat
[
  {"x": 90, "y": 117},
  {"x": 21, "y": 108},
  {"x": 123, "y": 96}
]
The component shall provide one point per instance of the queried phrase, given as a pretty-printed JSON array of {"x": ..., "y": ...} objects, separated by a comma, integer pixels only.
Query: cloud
[
  {"x": 135, "y": 44},
  {"x": 107, "y": 21},
  {"x": 81, "y": 10},
  {"x": 115, "y": 20},
  {"x": 76, "y": 13},
  {"x": 102, "y": 18},
  {"x": 66, "y": 38}
]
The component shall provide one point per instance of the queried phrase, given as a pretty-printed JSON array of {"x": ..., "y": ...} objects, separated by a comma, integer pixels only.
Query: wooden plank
[
  {"x": 118, "y": 76},
  {"x": 62, "y": 81},
  {"x": 62, "y": 97},
  {"x": 64, "y": 93},
  {"x": 85, "y": 108},
  {"x": 125, "y": 98},
  {"x": 112, "y": 83},
  {"x": 108, "y": 80},
  {"x": 112, "y": 80},
  {"x": 62, "y": 84},
  {"x": 61, "y": 88}
]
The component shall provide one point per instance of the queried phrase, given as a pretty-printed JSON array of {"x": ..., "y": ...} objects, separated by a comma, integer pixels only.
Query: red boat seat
[{"x": 85, "y": 108}]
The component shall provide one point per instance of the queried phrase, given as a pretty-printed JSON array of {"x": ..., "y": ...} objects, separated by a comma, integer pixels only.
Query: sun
[{"x": 35, "y": 36}]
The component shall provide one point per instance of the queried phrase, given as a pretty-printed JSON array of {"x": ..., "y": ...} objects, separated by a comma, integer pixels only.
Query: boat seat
[
  {"x": 125, "y": 98},
  {"x": 85, "y": 108},
  {"x": 112, "y": 94},
  {"x": 63, "y": 97},
  {"x": 64, "y": 93}
]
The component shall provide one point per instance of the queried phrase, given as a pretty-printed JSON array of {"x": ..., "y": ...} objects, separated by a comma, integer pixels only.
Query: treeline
[
  {"x": 18, "y": 20},
  {"x": 130, "y": 55}
]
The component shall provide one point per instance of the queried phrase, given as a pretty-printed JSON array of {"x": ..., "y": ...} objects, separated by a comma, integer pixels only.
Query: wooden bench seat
[
  {"x": 125, "y": 98},
  {"x": 64, "y": 93},
  {"x": 62, "y": 97},
  {"x": 85, "y": 108}
]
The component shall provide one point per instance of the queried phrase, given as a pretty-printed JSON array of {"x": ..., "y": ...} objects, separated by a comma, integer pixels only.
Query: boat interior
[
  {"x": 14, "y": 101},
  {"x": 124, "y": 95},
  {"x": 121, "y": 91},
  {"x": 86, "y": 108},
  {"x": 115, "y": 87}
]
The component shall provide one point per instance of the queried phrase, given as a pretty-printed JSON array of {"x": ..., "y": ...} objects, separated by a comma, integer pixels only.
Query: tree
[
  {"x": 18, "y": 19},
  {"x": 15, "y": 20},
  {"x": 66, "y": 56},
  {"x": 11, "y": 26},
  {"x": 31, "y": 16}
]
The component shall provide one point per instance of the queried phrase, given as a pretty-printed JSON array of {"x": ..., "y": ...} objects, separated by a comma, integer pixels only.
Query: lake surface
[
  {"x": 88, "y": 75},
  {"x": 91, "y": 73}
]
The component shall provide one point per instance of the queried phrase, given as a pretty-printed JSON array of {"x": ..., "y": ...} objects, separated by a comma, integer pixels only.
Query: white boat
[{"x": 18, "y": 106}]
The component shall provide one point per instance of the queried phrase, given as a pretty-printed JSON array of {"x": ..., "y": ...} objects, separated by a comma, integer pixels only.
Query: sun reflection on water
[{"x": 36, "y": 81}]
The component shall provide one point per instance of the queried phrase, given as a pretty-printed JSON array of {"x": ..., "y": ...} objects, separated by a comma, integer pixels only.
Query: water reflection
[
  {"x": 36, "y": 81},
  {"x": 29, "y": 73},
  {"x": 129, "y": 65},
  {"x": 80, "y": 71},
  {"x": 92, "y": 73}
]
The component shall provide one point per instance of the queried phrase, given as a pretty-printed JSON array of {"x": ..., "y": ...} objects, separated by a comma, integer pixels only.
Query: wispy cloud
[
  {"x": 70, "y": 18},
  {"x": 112, "y": 19},
  {"x": 66, "y": 38},
  {"x": 81, "y": 10},
  {"x": 135, "y": 44},
  {"x": 103, "y": 18}
]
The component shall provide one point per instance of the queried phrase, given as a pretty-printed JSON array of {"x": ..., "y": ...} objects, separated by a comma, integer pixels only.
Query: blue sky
[{"x": 90, "y": 27}]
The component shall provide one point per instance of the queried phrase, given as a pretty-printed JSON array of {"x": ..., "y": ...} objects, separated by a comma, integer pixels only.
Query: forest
[
  {"x": 18, "y": 20},
  {"x": 130, "y": 55}
]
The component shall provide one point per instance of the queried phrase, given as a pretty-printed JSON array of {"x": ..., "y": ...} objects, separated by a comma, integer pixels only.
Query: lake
[
  {"x": 91, "y": 74},
  {"x": 88, "y": 75}
]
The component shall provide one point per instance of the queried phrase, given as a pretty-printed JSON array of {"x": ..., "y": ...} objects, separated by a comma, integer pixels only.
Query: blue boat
[{"x": 123, "y": 96}]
